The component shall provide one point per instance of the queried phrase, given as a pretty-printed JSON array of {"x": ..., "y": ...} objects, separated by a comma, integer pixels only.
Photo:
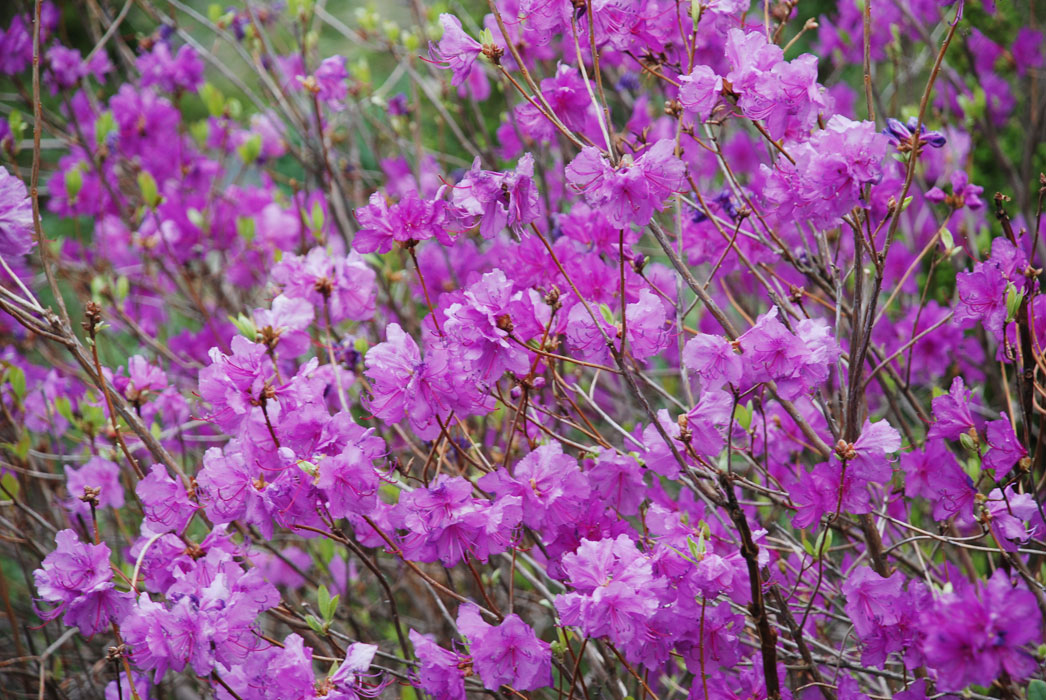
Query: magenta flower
[
  {"x": 349, "y": 481},
  {"x": 235, "y": 384},
  {"x": 16, "y": 216},
  {"x": 982, "y": 298},
  {"x": 700, "y": 92},
  {"x": 1005, "y": 449},
  {"x": 978, "y": 632},
  {"x": 871, "y": 600},
  {"x": 445, "y": 523},
  {"x": 98, "y": 474},
  {"x": 963, "y": 193},
  {"x": 440, "y": 671},
  {"x": 456, "y": 50},
  {"x": 952, "y": 412},
  {"x": 331, "y": 76},
  {"x": 933, "y": 473},
  {"x": 618, "y": 480},
  {"x": 549, "y": 484},
  {"x": 496, "y": 200},
  {"x": 182, "y": 71},
  {"x": 165, "y": 503},
  {"x": 405, "y": 387},
  {"x": 509, "y": 654},
  {"x": 410, "y": 219},
  {"x": 869, "y": 455},
  {"x": 78, "y": 578},
  {"x": 646, "y": 325},
  {"x": 346, "y": 284},
  {"x": 614, "y": 590},
  {"x": 713, "y": 359},
  {"x": 285, "y": 326},
  {"x": 630, "y": 192}
]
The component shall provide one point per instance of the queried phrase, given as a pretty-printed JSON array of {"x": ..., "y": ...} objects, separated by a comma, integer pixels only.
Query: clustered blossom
[{"x": 604, "y": 352}]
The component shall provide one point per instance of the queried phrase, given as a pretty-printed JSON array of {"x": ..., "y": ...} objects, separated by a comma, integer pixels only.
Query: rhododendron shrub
[{"x": 528, "y": 348}]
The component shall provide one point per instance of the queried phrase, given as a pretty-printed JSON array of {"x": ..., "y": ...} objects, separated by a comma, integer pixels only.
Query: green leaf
[
  {"x": 16, "y": 378},
  {"x": 697, "y": 549},
  {"x": 1013, "y": 301},
  {"x": 212, "y": 99},
  {"x": 150, "y": 193},
  {"x": 74, "y": 182},
  {"x": 315, "y": 624},
  {"x": 323, "y": 602},
  {"x": 245, "y": 228},
  {"x": 64, "y": 408},
  {"x": 317, "y": 218},
  {"x": 123, "y": 288},
  {"x": 743, "y": 415},
  {"x": 1036, "y": 690},
  {"x": 245, "y": 326},
  {"x": 250, "y": 149},
  {"x": 103, "y": 127},
  {"x": 10, "y": 484},
  {"x": 823, "y": 543}
]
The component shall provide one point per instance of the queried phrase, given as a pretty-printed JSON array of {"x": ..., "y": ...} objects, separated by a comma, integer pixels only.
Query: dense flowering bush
[{"x": 543, "y": 348}]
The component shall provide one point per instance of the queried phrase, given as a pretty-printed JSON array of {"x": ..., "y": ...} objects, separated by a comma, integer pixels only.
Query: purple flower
[
  {"x": 349, "y": 481},
  {"x": 495, "y": 200},
  {"x": 509, "y": 654},
  {"x": 549, "y": 483},
  {"x": 700, "y": 92},
  {"x": 183, "y": 71},
  {"x": 829, "y": 488},
  {"x": 1005, "y": 449},
  {"x": 901, "y": 135},
  {"x": 714, "y": 359},
  {"x": 347, "y": 682},
  {"x": 479, "y": 328},
  {"x": 440, "y": 671},
  {"x": 235, "y": 384},
  {"x": 630, "y": 192},
  {"x": 1007, "y": 512},
  {"x": 97, "y": 473},
  {"x": 65, "y": 67},
  {"x": 165, "y": 503},
  {"x": 982, "y": 298},
  {"x": 456, "y": 50},
  {"x": 445, "y": 523},
  {"x": 331, "y": 76},
  {"x": 78, "y": 578},
  {"x": 410, "y": 219},
  {"x": 1027, "y": 50},
  {"x": 405, "y": 387},
  {"x": 977, "y": 632},
  {"x": 207, "y": 620},
  {"x": 346, "y": 284},
  {"x": 618, "y": 480},
  {"x": 952, "y": 412},
  {"x": 869, "y": 456},
  {"x": 645, "y": 327},
  {"x": 16, "y": 216},
  {"x": 142, "y": 378},
  {"x": 933, "y": 473},
  {"x": 871, "y": 600},
  {"x": 285, "y": 326},
  {"x": 615, "y": 592},
  {"x": 963, "y": 193}
]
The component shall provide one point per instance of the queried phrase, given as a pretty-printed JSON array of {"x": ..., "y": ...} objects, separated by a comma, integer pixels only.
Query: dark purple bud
[
  {"x": 935, "y": 139},
  {"x": 628, "y": 81},
  {"x": 398, "y": 105}
]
